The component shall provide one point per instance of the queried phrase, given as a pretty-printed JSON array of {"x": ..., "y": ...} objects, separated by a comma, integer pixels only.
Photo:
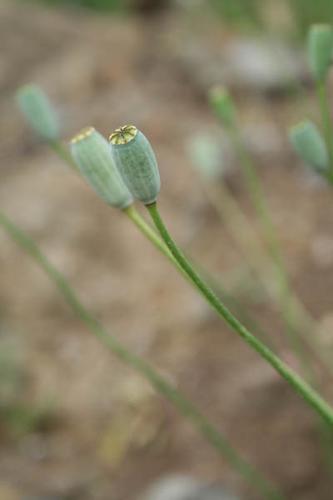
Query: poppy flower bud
[
  {"x": 320, "y": 49},
  {"x": 38, "y": 112},
  {"x": 91, "y": 153},
  {"x": 135, "y": 159},
  {"x": 223, "y": 105},
  {"x": 310, "y": 146}
]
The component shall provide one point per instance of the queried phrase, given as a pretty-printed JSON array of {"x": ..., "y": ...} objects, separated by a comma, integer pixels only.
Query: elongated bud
[
  {"x": 320, "y": 49},
  {"x": 38, "y": 112},
  {"x": 91, "y": 153},
  {"x": 135, "y": 159},
  {"x": 310, "y": 146},
  {"x": 223, "y": 105}
]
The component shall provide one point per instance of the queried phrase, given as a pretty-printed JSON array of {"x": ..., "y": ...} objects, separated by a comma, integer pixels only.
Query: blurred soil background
[{"x": 74, "y": 422}]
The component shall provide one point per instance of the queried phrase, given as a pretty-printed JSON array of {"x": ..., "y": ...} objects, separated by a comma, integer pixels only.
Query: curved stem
[
  {"x": 183, "y": 405},
  {"x": 299, "y": 385},
  {"x": 155, "y": 239}
]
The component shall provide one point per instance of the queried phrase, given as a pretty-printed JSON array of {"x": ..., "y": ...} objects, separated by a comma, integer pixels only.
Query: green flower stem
[
  {"x": 162, "y": 386},
  {"x": 63, "y": 153},
  {"x": 254, "y": 253},
  {"x": 326, "y": 121},
  {"x": 312, "y": 398},
  {"x": 151, "y": 235},
  {"x": 154, "y": 238}
]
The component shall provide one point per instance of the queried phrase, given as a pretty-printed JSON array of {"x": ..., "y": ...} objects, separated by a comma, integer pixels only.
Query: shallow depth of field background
[{"x": 74, "y": 422}]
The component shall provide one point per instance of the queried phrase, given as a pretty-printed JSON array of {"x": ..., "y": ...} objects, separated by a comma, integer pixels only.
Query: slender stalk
[
  {"x": 154, "y": 238},
  {"x": 162, "y": 386},
  {"x": 255, "y": 254},
  {"x": 326, "y": 121},
  {"x": 244, "y": 234},
  {"x": 63, "y": 153},
  {"x": 311, "y": 397}
]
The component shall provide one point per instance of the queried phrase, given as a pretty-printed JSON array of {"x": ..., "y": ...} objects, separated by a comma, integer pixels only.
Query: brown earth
[{"x": 108, "y": 435}]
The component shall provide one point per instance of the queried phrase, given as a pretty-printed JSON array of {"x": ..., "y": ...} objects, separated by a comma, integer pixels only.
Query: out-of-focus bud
[
  {"x": 223, "y": 105},
  {"x": 207, "y": 156},
  {"x": 38, "y": 112},
  {"x": 320, "y": 50},
  {"x": 136, "y": 162},
  {"x": 310, "y": 146},
  {"x": 91, "y": 153}
]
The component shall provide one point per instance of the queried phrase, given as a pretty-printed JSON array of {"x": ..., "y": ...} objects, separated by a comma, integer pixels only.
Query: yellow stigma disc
[{"x": 123, "y": 135}]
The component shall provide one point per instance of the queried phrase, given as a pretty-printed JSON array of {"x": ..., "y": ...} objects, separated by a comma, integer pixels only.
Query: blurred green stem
[
  {"x": 312, "y": 398},
  {"x": 154, "y": 238},
  {"x": 324, "y": 105},
  {"x": 183, "y": 405},
  {"x": 63, "y": 153},
  {"x": 273, "y": 246}
]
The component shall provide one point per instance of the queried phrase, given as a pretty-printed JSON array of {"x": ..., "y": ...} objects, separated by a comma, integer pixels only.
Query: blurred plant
[
  {"x": 89, "y": 155},
  {"x": 16, "y": 414},
  {"x": 305, "y": 137},
  {"x": 242, "y": 13},
  {"x": 136, "y": 163},
  {"x": 108, "y": 5},
  {"x": 138, "y": 176},
  {"x": 297, "y": 320},
  {"x": 307, "y": 12}
]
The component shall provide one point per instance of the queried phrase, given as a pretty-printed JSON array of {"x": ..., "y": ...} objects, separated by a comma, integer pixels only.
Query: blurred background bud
[
  {"x": 223, "y": 105},
  {"x": 38, "y": 112},
  {"x": 309, "y": 145},
  {"x": 320, "y": 48},
  {"x": 206, "y": 155}
]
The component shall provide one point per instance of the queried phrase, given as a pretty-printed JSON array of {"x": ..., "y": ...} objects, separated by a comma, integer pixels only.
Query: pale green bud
[
  {"x": 310, "y": 146},
  {"x": 223, "y": 105},
  {"x": 320, "y": 49},
  {"x": 136, "y": 162},
  {"x": 206, "y": 155},
  {"x": 91, "y": 153},
  {"x": 38, "y": 112}
]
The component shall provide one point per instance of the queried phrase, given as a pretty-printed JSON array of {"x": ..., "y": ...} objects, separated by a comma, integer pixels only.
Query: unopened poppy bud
[
  {"x": 320, "y": 49},
  {"x": 38, "y": 112},
  {"x": 136, "y": 162},
  {"x": 91, "y": 153},
  {"x": 310, "y": 146},
  {"x": 223, "y": 105}
]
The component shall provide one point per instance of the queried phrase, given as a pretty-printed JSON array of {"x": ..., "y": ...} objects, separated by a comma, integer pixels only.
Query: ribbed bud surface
[
  {"x": 136, "y": 162},
  {"x": 91, "y": 153}
]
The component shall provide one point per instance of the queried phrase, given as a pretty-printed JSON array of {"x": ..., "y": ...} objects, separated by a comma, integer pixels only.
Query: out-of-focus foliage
[
  {"x": 111, "y": 5},
  {"x": 240, "y": 12},
  {"x": 307, "y": 12},
  {"x": 252, "y": 13}
]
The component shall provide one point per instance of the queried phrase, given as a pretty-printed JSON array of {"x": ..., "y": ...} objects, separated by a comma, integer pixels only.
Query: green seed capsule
[
  {"x": 310, "y": 146},
  {"x": 136, "y": 162},
  {"x": 320, "y": 49},
  {"x": 91, "y": 153},
  {"x": 223, "y": 105},
  {"x": 38, "y": 112}
]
